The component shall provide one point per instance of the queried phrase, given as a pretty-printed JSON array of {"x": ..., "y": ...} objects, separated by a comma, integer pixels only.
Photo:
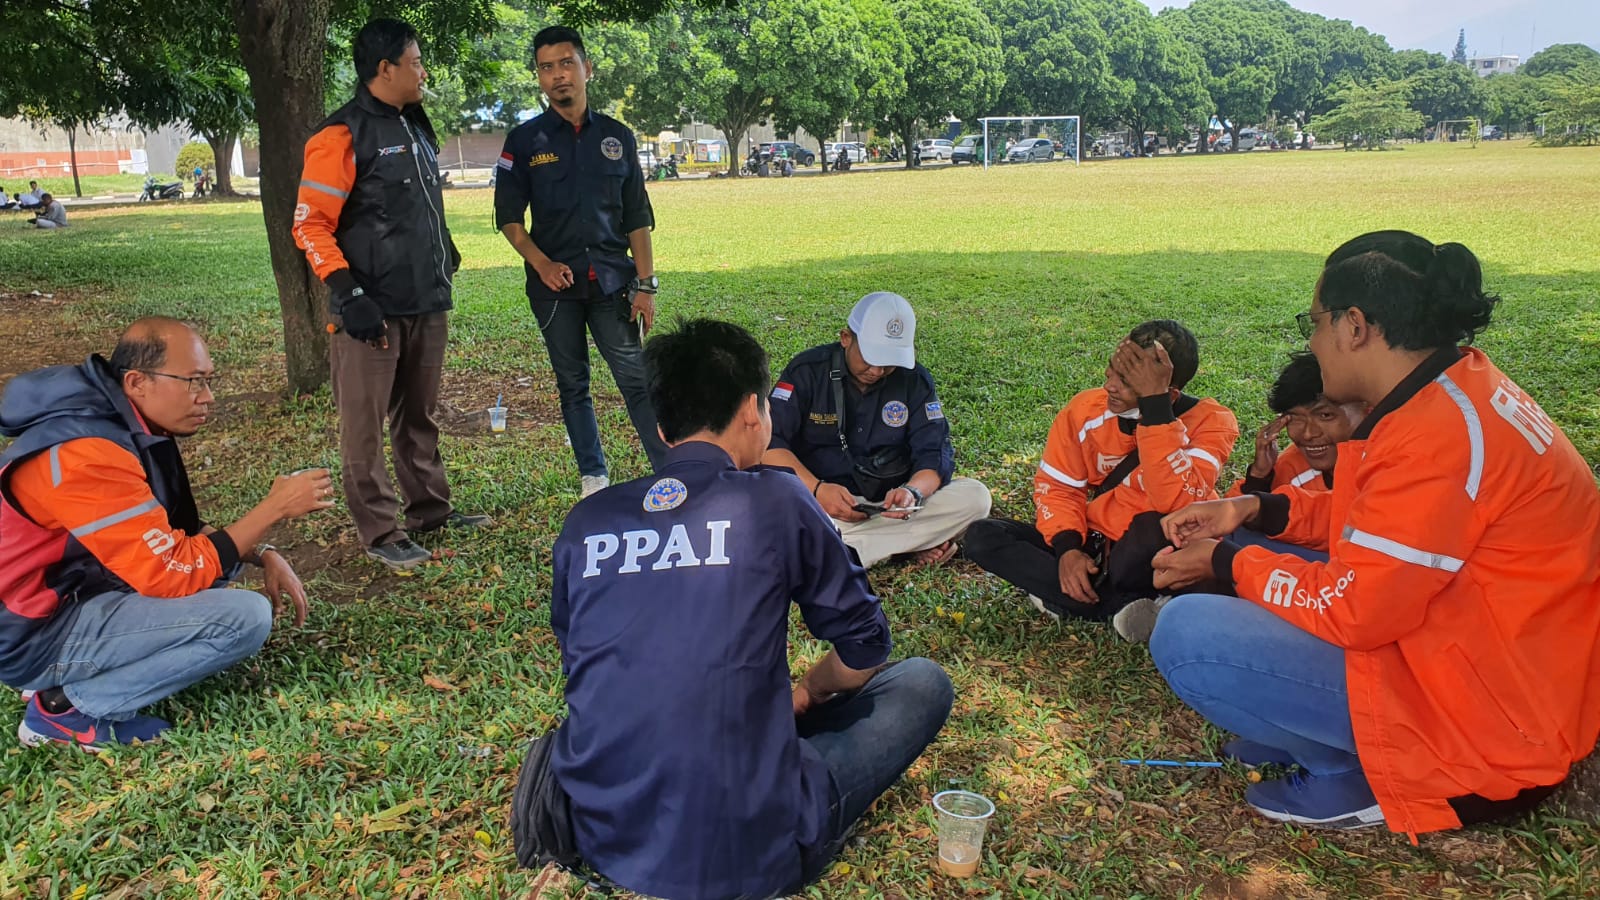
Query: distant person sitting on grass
[
  {"x": 689, "y": 766},
  {"x": 5, "y": 199},
  {"x": 51, "y": 214},
  {"x": 1117, "y": 458},
  {"x": 1316, "y": 426},
  {"x": 32, "y": 199},
  {"x": 113, "y": 590},
  {"x": 1440, "y": 668}
]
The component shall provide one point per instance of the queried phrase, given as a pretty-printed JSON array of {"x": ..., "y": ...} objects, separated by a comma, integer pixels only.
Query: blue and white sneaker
[
  {"x": 1342, "y": 802},
  {"x": 91, "y": 735}
]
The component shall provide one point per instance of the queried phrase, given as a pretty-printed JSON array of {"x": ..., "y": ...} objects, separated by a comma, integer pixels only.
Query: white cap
[{"x": 885, "y": 326}]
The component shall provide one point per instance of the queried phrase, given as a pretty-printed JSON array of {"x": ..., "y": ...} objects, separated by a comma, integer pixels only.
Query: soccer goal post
[{"x": 1001, "y": 134}]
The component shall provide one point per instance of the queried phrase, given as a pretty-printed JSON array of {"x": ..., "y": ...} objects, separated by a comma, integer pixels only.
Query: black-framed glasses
[
  {"x": 1308, "y": 321},
  {"x": 198, "y": 384}
]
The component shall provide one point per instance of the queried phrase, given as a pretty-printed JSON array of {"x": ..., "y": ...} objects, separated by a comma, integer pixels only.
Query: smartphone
[{"x": 872, "y": 509}]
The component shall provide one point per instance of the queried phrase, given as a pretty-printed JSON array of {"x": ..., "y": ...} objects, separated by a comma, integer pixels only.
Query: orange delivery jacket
[
  {"x": 1463, "y": 585},
  {"x": 1179, "y": 460}
]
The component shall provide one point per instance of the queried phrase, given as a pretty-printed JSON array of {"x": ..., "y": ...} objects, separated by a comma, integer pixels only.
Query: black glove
[{"x": 363, "y": 317}]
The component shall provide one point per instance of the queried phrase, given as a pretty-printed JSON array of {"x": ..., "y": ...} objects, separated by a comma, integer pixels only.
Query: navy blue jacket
[
  {"x": 586, "y": 193},
  {"x": 805, "y": 420},
  {"x": 671, "y": 602}
]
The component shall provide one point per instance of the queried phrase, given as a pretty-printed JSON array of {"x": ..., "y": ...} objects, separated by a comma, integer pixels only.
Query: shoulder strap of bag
[
  {"x": 1131, "y": 461},
  {"x": 836, "y": 375}
]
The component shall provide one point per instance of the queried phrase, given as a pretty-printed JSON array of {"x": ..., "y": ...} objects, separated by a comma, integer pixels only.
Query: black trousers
[{"x": 1017, "y": 552}]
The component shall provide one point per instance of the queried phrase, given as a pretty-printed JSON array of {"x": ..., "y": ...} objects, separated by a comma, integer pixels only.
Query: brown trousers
[{"x": 402, "y": 382}]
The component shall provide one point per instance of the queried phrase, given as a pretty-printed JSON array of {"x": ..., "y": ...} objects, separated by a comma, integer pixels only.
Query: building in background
[{"x": 1493, "y": 65}]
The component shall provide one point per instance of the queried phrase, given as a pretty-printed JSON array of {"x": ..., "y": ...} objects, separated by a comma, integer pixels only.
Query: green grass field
[{"x": 373, "y": 752}]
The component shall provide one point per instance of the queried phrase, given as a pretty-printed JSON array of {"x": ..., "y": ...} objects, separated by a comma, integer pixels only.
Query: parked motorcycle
[
  {"x": 667, "y": 168},
  {"x": 154, "y": 190}
]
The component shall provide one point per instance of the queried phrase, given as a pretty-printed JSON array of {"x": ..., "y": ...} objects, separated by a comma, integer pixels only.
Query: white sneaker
[
  {"x": 592, "y": 483},
  {"x": 1137, "y": 621},
  {"x": 1039, "y": 605}
]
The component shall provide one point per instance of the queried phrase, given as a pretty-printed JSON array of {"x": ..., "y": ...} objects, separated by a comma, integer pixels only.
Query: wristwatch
[
  {"x": 261, "y": 550},
  {"x": 648, "y": 285}
]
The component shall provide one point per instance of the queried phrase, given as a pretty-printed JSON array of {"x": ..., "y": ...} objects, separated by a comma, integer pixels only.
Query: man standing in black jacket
[
  {"x": 371, "y": 222},
  {"x": 579, "y": 172}
]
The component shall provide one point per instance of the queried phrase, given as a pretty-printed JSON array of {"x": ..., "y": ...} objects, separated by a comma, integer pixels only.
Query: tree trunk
[
  {"x": 72, "y": 149},
  {"x": 282, "y": 44},
  {"x": 222, "y": 158}
]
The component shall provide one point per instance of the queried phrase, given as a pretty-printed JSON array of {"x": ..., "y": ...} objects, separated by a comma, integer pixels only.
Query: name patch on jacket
[
  {"x": 543, "y": 159},
  {"x": 644, "y": 545},
  {"x": 824, "y": 418},
  {"x": 390, "y": 151}
]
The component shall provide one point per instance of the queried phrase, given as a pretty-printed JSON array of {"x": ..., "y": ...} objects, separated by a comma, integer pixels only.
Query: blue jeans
[
  {"x": 126, "y": 651},
  {"x": 1244, "y": 537},
  {"x": 869, "y": 739},
  {"x": 563, "y": 324},
  {"x": 1252, "y": 673}
]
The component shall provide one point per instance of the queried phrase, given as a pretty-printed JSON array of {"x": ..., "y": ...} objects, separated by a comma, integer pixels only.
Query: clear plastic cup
[
  {"x": 963, "y": 818},
  {"x": 497, "y": 419}
]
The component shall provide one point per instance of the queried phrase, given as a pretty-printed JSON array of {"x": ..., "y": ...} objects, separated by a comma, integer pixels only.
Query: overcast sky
[{"x": 1493, "y": 27}]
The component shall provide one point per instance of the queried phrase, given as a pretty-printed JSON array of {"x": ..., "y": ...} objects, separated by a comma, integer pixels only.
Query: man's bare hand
[
  {"x": 1146, "y": 372},
  {"x": 284, "y": 584},
  {"x": 1077, "y": 570},
  {"x": 1175, "y": 569},
  {"x": 304, "y": 492},
  {"x": 1267, "y": 447},
  {"x": 556, "y": 276},
  {"x": 838, "y": 502},
  {"x": 1208, "y": 519}
]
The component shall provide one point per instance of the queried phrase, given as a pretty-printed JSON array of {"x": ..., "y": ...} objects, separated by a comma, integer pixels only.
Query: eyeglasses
[
  {"x": 198, "y": 384},
  {"x": 1308, "y": 321}
]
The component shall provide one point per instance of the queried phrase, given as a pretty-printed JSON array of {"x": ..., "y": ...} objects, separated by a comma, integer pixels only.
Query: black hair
[
  {"x": 700, "y": 372},
  {"x": 139, "y": 349},
  {"x": 1421, "y": 296},
  {"x": 559, "y": 34},
  {"x": 1182, "y": 348},
  {"x": 381, "y": 40},
  {"x": 1299, "y": 384}
]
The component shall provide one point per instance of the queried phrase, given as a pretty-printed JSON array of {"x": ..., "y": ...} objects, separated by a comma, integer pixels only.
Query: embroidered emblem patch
[
  {"x": 301, "y": 212},
  {"x": 894, "y": 327},
  {"x": 543, "y": 159},
  {"x": 895, "y": 414},
  {"x": 612, "y": 148},
  {"x": 390, "y": 151},
  {"x": 935, "y": 410},
  {"x": 668, "y": 493}
]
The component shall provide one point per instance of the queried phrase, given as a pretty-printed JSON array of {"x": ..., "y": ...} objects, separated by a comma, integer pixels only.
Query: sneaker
[
  {"x": 1137, "y": 621},
  {"x": 1039, "y": 604},
  {"x": 401, "y": 555},
  {"x": 1253, "y": 753},
  {"x": 457, "y": 520},
  {"x": 1343, "y": 802},
  {"x": 73, "y": 728},
  {"x": 592, "y": 483}
]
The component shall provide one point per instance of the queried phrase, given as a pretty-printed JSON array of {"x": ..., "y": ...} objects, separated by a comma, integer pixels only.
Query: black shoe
[
  {"x": 400, "y": 556},
  {"x": 455, "y": 521}
]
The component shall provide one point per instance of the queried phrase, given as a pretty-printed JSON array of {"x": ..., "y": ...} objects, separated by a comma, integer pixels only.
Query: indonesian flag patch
[
  {"x": 783, "y": 390},
  {"x": 506, "y": 161}
]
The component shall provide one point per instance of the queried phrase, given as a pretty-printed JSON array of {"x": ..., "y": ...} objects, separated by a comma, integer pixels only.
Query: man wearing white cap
[{"x": 859, "y": 421}]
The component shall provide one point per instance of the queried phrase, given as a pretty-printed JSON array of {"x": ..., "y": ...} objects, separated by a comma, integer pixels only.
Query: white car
[
  {"x": 855, "y": 151},
  {"x": 935, "y": 148},
  {"x": 647, "y": 160}
]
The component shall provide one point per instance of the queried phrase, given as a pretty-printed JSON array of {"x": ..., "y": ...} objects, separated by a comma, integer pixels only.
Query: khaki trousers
[
  {"x": 402, "y": 383},
  {"x": 943, "y": 517}
]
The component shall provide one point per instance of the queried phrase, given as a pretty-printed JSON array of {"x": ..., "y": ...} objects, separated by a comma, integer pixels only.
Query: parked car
[
  {"x": 1248, "y": 138},
  {"x": 1029, "y": 149},
  {"x": 855, "y": 151},
  {"x": 968, "y": 150},
  {"x": 794, "y": 151},
  {"x": 935, "y": 148},
  {"x": 647, "y": 159},
  {"x": 1492, "y": 133}
]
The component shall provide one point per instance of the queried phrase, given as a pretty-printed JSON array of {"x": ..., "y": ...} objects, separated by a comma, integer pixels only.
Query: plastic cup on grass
[
  {"x": 497, "y": 419},
  {"x": 962, "y": 818}
]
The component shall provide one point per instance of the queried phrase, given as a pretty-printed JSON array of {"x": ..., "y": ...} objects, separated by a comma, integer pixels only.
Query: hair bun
[{"x": 1454, "y": 281}]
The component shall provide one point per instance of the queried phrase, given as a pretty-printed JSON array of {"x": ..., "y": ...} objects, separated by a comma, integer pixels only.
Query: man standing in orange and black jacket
[{"x": 371, "y": 222}]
